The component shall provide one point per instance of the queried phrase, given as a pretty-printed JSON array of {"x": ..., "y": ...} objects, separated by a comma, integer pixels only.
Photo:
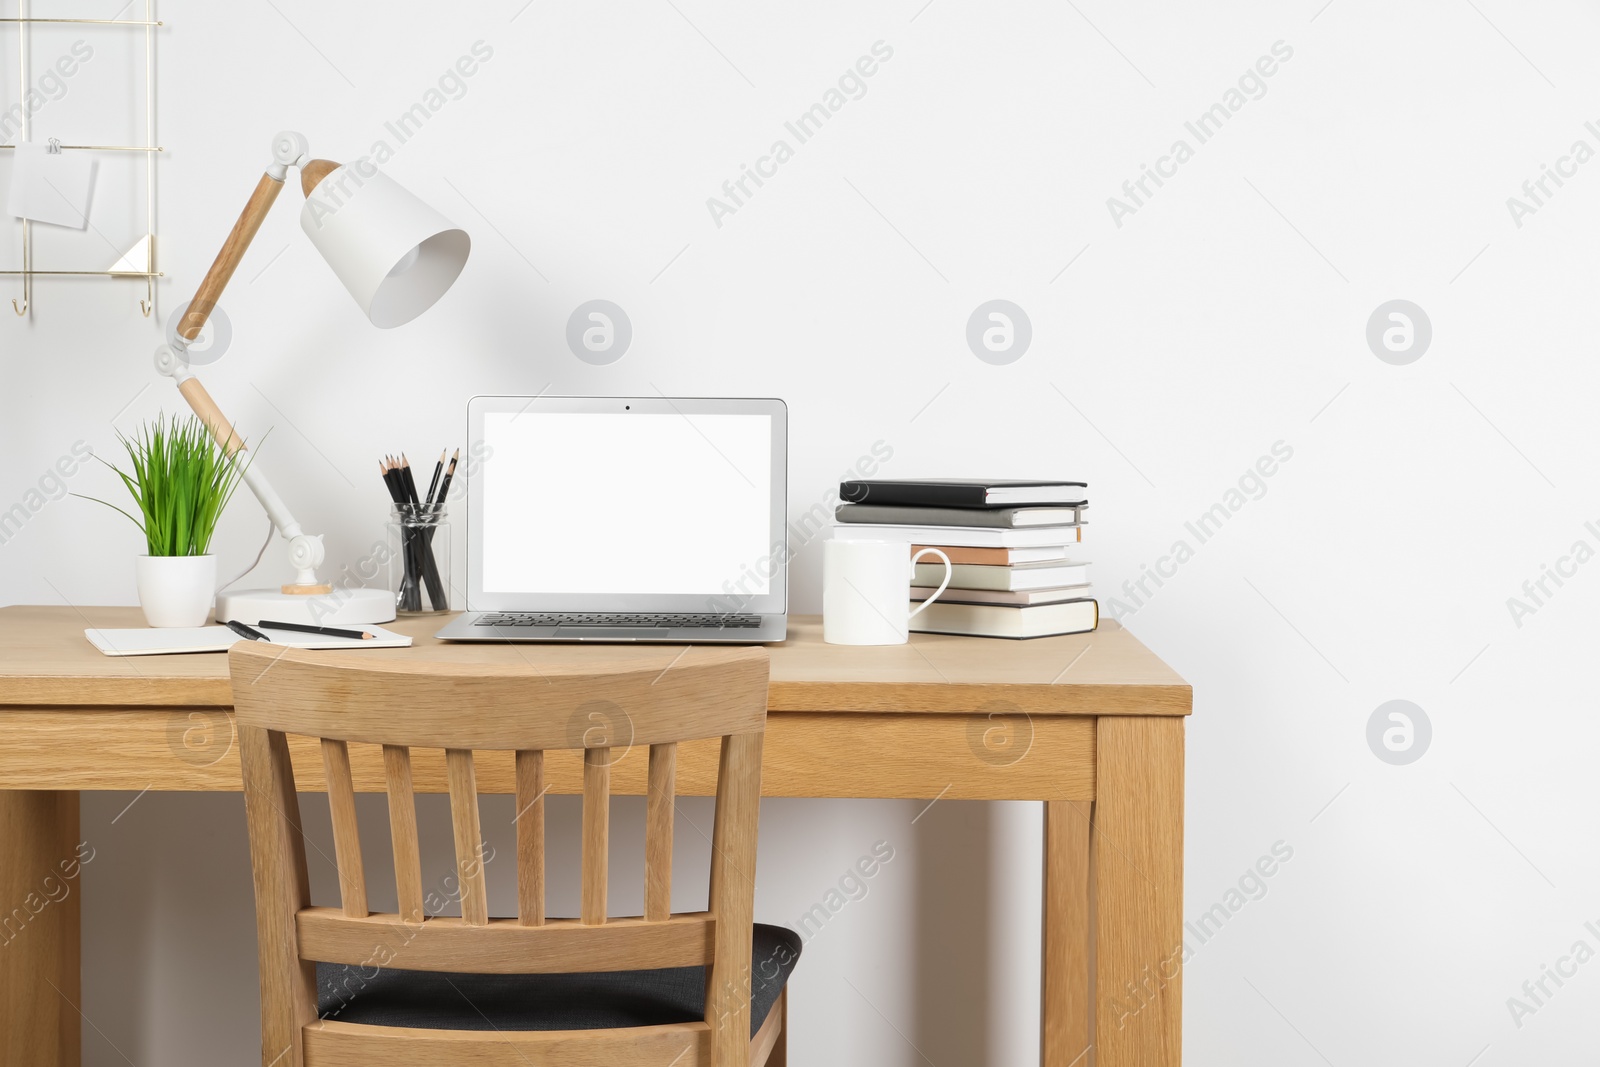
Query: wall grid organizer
[{"x": 140, "y": 260}]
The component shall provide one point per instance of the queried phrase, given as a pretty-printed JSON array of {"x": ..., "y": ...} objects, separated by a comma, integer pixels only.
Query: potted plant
[{"x": 180, "y": 481}]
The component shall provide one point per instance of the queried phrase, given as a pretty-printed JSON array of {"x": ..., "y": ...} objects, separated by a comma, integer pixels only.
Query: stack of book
[{"x": 1014, "y": 548}]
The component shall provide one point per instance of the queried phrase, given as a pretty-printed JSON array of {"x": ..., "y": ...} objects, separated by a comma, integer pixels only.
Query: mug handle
[{"x": 949, "y": 572}]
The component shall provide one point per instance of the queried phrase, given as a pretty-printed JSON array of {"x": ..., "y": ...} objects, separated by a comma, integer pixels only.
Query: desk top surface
[{"x": 46, "y": 660}]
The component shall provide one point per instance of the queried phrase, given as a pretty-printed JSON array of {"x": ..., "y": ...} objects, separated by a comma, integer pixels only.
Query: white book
[
  {"x": 998, "y": 620},
  {"x": 960, "y": 536},
  {"x": 1069, "y": 494},
  {"x": 1020, "y": 599},
  {"x": 176, "y": 640},
  {"x": 1014, "y": 578}
]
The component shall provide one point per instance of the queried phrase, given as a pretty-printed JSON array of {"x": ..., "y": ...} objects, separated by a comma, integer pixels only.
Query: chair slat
[
  {"x": 403, "y": 831},
  {"x": 596, "y": 833},
  {"x": 354, "y": 1045},
  {"x": 423, "y": 701},
  {"x": 505, "y": 946},
  {"x": 530, "y": 837},
  {"x": 346, "y": 831},
  {"x": 658, "y": 832},
  {"x": 469, "y": 836}
]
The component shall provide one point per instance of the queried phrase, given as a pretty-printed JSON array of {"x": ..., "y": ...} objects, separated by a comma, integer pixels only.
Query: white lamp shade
[{"x": 396, "y": 255}]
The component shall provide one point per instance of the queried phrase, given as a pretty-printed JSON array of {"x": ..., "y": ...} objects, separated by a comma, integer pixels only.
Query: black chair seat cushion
[{"x": 388, "y": 996}]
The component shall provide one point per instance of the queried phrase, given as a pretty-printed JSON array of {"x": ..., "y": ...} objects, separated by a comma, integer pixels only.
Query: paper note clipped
[{"x": 51, "y": 186}]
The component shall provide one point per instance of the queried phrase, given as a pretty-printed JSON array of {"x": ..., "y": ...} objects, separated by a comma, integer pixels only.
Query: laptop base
[{"x": 469, "y": 627}]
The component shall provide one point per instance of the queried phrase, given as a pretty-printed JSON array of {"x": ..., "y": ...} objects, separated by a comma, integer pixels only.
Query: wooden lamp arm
[
  {"x": 233, "y": 250},
  {"x": 205, "y": 300},
  {"x": 305, "y": 552},
  {"x": 288, "y": 150}
]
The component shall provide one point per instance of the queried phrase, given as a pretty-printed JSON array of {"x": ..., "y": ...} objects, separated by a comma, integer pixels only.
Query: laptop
[{"x": 625, "y": 519}]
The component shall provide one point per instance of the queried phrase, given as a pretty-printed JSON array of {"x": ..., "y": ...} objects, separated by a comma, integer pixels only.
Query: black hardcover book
[{"x": 963, "y": 492}]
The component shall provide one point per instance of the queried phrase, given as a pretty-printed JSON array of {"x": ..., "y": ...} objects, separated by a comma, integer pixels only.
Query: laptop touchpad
[{"x": 608, "y": 633}]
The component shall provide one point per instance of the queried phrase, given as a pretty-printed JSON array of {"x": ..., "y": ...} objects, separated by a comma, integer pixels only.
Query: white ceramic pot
[{"x": 176, "y": 590}]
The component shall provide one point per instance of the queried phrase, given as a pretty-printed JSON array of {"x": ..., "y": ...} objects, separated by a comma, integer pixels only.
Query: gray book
[{"x": 992, "y": 518}]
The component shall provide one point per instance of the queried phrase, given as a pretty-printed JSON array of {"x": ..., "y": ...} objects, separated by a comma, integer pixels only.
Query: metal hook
[
  {"x": 148, "y": 304},
  {"x": 27, "y": 271}
]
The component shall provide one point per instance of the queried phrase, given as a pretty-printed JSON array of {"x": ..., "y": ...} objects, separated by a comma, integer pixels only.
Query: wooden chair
[{"x": 343, "y": 987}]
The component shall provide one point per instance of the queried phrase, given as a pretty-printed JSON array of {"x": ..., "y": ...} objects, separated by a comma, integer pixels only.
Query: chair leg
[
  {"x": 780, "y": 1050},
  {"x": 770, "y": 1046}
]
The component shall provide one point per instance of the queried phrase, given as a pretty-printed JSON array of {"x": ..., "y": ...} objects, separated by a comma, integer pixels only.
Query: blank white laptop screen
[{"x": 636, "y": 503}]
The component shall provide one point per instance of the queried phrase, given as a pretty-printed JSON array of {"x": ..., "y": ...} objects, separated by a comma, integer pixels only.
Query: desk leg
[
  {"x": 1137, "y": 855},
  {"x": 1065, "y": 1011},
  {"x": 39, "y": 947}
]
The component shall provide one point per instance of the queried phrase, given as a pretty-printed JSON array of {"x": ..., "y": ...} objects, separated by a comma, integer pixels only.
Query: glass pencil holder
[{"x": 419, "y": 558}]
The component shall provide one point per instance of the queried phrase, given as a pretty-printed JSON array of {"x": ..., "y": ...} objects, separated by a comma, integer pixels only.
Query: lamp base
[{"x": 343, "y": 607}]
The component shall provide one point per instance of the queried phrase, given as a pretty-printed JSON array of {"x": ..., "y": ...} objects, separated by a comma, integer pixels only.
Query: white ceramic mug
[{"x": 866, "y": 591}]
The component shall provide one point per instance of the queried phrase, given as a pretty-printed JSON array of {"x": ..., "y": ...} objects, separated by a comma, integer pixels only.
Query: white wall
[{"x": 1169, "y": 354}]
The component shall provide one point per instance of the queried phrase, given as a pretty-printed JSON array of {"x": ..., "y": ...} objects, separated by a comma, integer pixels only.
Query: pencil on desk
[{"x": 325, "y": 631}]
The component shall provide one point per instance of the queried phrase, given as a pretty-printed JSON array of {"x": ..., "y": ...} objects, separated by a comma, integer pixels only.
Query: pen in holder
[{"x": 419, "y": 560}]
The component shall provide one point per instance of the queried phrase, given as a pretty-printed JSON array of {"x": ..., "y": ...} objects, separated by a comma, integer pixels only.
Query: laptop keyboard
[{"x": 545, "y": 618}]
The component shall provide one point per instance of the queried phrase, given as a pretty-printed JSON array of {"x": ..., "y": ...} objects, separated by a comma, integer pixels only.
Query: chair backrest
[{"x": 460, "y": 708}]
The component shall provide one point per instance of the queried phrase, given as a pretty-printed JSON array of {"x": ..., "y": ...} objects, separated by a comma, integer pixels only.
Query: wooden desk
[{"x": 1092, "y": 726}]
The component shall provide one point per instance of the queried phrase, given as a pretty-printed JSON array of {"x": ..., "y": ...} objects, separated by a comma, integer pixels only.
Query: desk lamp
[{"x": 397, "y": 257}]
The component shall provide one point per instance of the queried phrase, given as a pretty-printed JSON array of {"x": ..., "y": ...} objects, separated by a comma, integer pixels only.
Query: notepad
[{"x": 171, "y": 641}]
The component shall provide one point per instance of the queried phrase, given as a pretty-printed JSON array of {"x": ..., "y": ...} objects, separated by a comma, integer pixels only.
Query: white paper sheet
[
  {"x": 178, "y": 640},
  {"x": 51, "y": 187}
]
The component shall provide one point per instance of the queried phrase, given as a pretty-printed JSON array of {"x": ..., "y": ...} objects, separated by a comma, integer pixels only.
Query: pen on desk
[
  {"x": 325, "y": 631},
  {"x": 249, "y": 633}
]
